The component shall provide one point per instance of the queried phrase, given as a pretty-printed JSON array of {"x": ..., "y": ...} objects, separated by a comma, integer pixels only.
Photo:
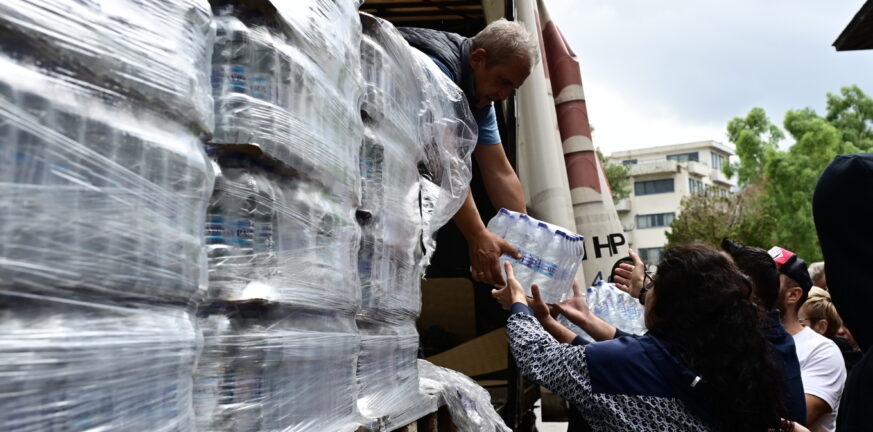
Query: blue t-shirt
[{"x": 488, "y": 133}]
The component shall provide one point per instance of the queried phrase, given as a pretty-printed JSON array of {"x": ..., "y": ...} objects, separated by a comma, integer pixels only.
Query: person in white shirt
[{"x": 821, "y": 363}]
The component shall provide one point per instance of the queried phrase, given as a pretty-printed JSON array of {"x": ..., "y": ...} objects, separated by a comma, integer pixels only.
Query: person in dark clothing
[
  {"x": 757, "y": 264},
  {"x": 842, "y": 206}
]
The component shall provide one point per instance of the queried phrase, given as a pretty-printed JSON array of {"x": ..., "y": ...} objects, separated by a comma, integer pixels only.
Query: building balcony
[
  {"x": 654, "y": 167},
  {"x": 623, "y": 205},
  {"x": 718, "y": 176},
  {"x": 698, "y": 168}
]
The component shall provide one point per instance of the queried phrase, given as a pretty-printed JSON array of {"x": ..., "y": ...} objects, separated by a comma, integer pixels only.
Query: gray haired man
[{"x": 487, "y": 67}]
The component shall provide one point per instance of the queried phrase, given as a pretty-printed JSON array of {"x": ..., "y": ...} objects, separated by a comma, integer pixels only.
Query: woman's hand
[
  {"x": 575, "y": 308},
  {"x": 510, "y": 293},
  {"x": 630, "y": 278}
]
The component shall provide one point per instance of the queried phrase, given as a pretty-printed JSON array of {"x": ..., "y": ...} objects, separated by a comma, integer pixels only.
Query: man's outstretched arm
[{"x": 501, "y": 182}]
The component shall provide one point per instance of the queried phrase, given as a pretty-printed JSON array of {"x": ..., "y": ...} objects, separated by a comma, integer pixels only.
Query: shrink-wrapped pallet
[
  {"x": 99, "y": 194},
  {"x": 268, "y": 367},
  {"x": 154, "y": 52},
  {"x": 68, "y": 365},
  {"x": 415, "y": 169}
]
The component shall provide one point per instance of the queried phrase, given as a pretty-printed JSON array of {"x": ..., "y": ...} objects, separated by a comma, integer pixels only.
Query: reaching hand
[
  {"x": 540, "y": 309},
  {"x": 510, "y": 293},
  {"x": 575, "y": 308},
  {"x": 485, "y": 251},
  {"x": 630, "y": 278}
]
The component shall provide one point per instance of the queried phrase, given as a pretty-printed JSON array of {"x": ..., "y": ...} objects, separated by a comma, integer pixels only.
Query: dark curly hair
[
  {"x": 757, "y": 264},
  {"x": 704, "y": 313}
]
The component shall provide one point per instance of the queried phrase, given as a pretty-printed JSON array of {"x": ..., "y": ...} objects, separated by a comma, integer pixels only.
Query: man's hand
[
  {"x": 575, "y": 308},
  {"x": 510, "y": 293},
  {"x": 485, "y": 250},
  {"x": 630, "y": 278}
]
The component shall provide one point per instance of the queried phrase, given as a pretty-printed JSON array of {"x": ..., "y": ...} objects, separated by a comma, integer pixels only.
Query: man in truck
[{"x": 487, "y": 67}]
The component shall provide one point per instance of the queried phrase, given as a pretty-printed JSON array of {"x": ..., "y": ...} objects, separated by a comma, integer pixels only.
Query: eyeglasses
[{"x": 808, "y": 320}]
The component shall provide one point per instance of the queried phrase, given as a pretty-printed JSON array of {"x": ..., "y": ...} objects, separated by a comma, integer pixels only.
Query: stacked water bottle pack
[
  {"x": 273, "y": 367},
  {"x": 280, "y": 339},
  {"x": 415, "y": 169},
  {"x": 103, "y": 192},
  {"x": 550, "y": 255},
  {"x": 149, "y": 51},
  {"x": 70, "y": 365},
  {"x": 273, "y": 90},
  {"x": 277, "y": 236}
]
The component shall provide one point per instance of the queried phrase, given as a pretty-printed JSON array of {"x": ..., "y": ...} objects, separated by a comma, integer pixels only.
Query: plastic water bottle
[
  {"x": 230, "y": 56},
  {"x": 262, "y": 73},
  {"x": 264, "y": 221},
  {"x": 500, "y": 223}
]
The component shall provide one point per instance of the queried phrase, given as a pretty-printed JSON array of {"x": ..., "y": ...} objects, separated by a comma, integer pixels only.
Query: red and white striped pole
[{"x": 593, "y": 209}]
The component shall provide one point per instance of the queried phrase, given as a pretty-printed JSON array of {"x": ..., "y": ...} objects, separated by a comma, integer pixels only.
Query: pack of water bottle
[
  {"x": 550, "y": 255},
  {"x": 275, "y": 368},
  {"x": 100, "y": 194},
  {"x": 387, "y": 373},
  {"x": 616, "y": 307},
  {"x": 154, "y": 52},
  {"x": 271, "y": 92},
  {"x": 279, "y": 238},
  {"x": 74, "y": 365}
]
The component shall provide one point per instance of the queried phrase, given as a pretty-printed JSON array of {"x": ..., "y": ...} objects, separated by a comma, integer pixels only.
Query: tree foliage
[
  {"x": 778, "y": 184},
  {"x": 746, "y": 216},
  {"x": 754, "y": 136},
  {"x": 616, "y": 176}
]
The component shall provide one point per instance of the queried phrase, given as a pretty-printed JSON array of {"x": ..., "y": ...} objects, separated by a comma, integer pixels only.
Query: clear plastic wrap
[
  {"x": 388, "y": 373},
  {"x": 449, "y": 135},
  {"x": 97, "y": 193},
  {"x": 281, "y": 238},
  {"x": 68, "y": 365},
  {"x": 273, "y": 89},
  {"x": 415, "y": 166},
  {"x": 152, "y": 51},
  {"x": 419, "y": 124},
  {"x": 269, "y": 367},
  {"x": 469, "y": 404}
]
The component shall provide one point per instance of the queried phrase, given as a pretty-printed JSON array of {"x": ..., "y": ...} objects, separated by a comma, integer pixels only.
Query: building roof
[
  {"x": 673, "y": 148},
  {"x": 858, "y": 35},
  {"x": 465, "y": 17}
]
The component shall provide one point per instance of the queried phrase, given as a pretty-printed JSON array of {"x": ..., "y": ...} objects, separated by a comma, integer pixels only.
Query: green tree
[
  {"x": 754, "y": 136},
  {"x": 746, "y": 216},
  {"x": 774, "y": 205},
  {"x": 851, "y": 112},
  {"x": 616, "y": 176},
  {"x": 793, "y": 174}
]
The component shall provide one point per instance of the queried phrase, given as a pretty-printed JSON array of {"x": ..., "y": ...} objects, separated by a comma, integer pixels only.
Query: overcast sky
[{"x": 666, "y": 72}]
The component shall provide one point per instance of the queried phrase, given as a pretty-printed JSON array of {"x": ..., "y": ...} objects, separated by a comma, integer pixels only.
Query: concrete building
[{"x": 659, "y": 178}]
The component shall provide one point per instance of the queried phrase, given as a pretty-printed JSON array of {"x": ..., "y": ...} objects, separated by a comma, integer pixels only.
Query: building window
[
  {"x": 695, "y": 186},
  {"x": 650, "y": 256},
  {"x": 653, "y": 187},
  {"x": 628, "y": 162},
  {"x": 684, "y": 157},
  {"x": 718, "y": 161},
  {"x": 654, "y": 220}
]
